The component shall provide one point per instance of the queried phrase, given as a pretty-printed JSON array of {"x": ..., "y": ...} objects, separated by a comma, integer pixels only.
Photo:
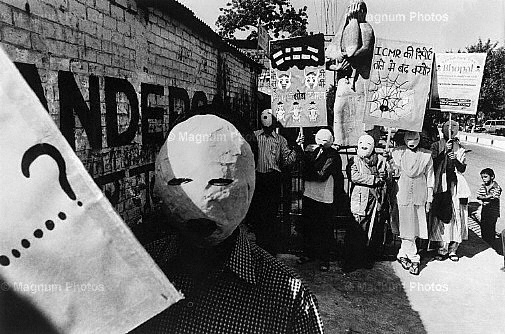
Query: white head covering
[
  {"x": 324, "y": 138},
  {"x": 205, "y": 177},
  {"x": 366, "y": 144},
  {"x": 412, "y": 139}
]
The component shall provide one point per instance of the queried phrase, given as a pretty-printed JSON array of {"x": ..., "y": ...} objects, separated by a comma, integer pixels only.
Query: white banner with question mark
[{"x": 63, "y": 249}]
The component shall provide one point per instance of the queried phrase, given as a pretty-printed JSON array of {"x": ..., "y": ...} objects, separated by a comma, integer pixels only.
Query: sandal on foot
[
  {"x": 303, "y": 260},
  {"x": 414, "y": 268},
  {"x": 440, "y": 257},
  {"x": 454, "y": 257},
  {"x": 324, "y": 267},
  {"x": 404, "y": 262}
]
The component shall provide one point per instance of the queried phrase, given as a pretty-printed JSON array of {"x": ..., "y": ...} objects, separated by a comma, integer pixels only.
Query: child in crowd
[
  {"x": 415, "y": 194},
  {"x": 489, "y": 194}
]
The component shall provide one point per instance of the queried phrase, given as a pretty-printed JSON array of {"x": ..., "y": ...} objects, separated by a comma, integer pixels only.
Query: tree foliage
[
  {"x": 492, "y": 93},
  {"x": 279, "y": 17}
]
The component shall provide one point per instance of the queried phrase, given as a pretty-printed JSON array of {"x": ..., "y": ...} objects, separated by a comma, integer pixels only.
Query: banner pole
[
  {"x": 450, "y": 125},
  {"x": 300, "y": 133},
  {"x": 388, "y": 139}
]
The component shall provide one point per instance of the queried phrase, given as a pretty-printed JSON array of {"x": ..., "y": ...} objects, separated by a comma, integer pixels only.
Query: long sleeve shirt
[
  {"x": 364, "y": 177},
  {"x": 490, "y": 198},
  {"x": 274, "y": 152}
]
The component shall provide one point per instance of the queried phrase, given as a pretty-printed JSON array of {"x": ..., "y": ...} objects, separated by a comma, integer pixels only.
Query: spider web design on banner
[{"x": 389, "y": 100}]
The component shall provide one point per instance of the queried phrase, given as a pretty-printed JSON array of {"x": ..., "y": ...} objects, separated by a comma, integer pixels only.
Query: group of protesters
[
  {"x": 414, "y": 190},
  {"x": 207, "y": 189}
]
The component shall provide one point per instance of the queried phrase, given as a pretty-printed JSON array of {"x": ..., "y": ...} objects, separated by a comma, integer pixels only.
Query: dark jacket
[{"x": 327, "y": 163}]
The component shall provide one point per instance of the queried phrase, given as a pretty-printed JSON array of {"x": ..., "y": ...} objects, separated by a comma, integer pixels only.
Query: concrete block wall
[{"x": 115, "y": 74}]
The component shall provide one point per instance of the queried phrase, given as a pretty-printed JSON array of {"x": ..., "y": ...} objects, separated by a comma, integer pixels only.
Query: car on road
[{"x": 495, "y": 126}]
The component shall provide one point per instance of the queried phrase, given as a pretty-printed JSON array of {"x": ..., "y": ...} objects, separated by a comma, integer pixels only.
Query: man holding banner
[
  {"x": 396, "y": 96},
  {"x": 455, "y": 89},
  {"x": 274, "y": 156},
  {"x": 450, "y": 204}
]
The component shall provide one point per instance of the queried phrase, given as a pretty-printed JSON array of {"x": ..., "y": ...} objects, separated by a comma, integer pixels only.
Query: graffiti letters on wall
[{"x": 120, "y": 160}]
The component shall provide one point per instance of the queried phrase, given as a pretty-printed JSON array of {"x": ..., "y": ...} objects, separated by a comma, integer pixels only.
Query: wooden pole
[
  {"x": 299, "y": 134},
  {"x": 450, "y": 125},
  {"x": 502, "y": 237},
  {"x": 388, "y": 140}
]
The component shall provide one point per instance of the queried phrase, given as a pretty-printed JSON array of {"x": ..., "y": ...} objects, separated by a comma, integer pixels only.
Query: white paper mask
[
  {"x": 266, "y": 118},
  {"x": 412, "y": 139},
  {"x": 324, "y": 138},
  {"x": 205, "y": 177},
  {"x": 365, "y": 146}
]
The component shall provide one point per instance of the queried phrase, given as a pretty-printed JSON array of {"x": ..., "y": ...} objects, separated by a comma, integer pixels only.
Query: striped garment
[
  {"x": 273, "y": 152},
  {"x": 490, "y": 198}
]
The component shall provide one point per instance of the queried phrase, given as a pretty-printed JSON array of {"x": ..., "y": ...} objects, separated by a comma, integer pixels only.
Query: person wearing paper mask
[
  {"x": 274, "y": 155},
  {"x": 414, "y": 197},
  {"x": 322, "y": 174},
  {"x": 367, "y": 174},
  {"x": 229, "y": 284},
  {"x": 451, "y": 192}
]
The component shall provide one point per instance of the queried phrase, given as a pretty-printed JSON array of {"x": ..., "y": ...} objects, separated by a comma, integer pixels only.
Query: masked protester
[
  {"x": 414, "y": 197},
  {"x": 322, "y": 174},
  {"x": 274, "y": 155},
  {"x": 367, "y": 174},
  {"x": 451, "y": 192},
  {"x": 205, "y": 179}
]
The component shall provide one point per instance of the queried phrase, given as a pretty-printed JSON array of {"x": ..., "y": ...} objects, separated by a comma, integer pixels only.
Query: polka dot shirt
[{"x": 249, "y": 291}]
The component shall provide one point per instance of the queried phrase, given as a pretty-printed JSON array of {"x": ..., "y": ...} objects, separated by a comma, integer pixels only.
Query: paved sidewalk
[
  {"x": 460, "y": 297},
  {"x": 484, "y": 139},
  {"x": 447, "y": 297}
]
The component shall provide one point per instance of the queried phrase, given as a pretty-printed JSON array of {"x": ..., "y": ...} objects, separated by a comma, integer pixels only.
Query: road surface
[{"x": 479, "y": 157}]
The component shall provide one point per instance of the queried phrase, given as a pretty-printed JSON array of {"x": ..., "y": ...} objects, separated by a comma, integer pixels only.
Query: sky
[{"x": 447, "y": 25}]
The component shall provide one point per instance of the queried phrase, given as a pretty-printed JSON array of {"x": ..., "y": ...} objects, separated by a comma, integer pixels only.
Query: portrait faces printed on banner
[{"x": 299, "y": 96}]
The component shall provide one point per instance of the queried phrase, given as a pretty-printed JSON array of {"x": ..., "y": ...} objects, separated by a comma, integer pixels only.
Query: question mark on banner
[
  {"x": 28, "y": 157},
  {"x": 40, "y": 149}
]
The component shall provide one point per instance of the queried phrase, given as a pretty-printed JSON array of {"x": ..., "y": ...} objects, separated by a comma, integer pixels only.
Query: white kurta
[{"x": 415, "y": 188}]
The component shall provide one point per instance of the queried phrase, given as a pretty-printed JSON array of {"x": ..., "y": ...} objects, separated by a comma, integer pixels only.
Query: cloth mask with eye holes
[
  {"x": 412, "y": 139},
  {"x": 266, "y": 118},
  {"x": 324, "y": 138},
  {"x": 366, "y": 145}
]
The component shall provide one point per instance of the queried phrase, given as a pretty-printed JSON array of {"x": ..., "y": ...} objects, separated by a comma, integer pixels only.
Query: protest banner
[
  {"x": 63, "y": 248},
  {"x": 457, "y": 80},
  {"x": 298, "y": 80},
  {"x": 399, "y": 84}
]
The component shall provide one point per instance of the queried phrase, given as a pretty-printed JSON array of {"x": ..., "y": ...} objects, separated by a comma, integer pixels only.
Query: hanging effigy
[{"x": 351, "y": 51}]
